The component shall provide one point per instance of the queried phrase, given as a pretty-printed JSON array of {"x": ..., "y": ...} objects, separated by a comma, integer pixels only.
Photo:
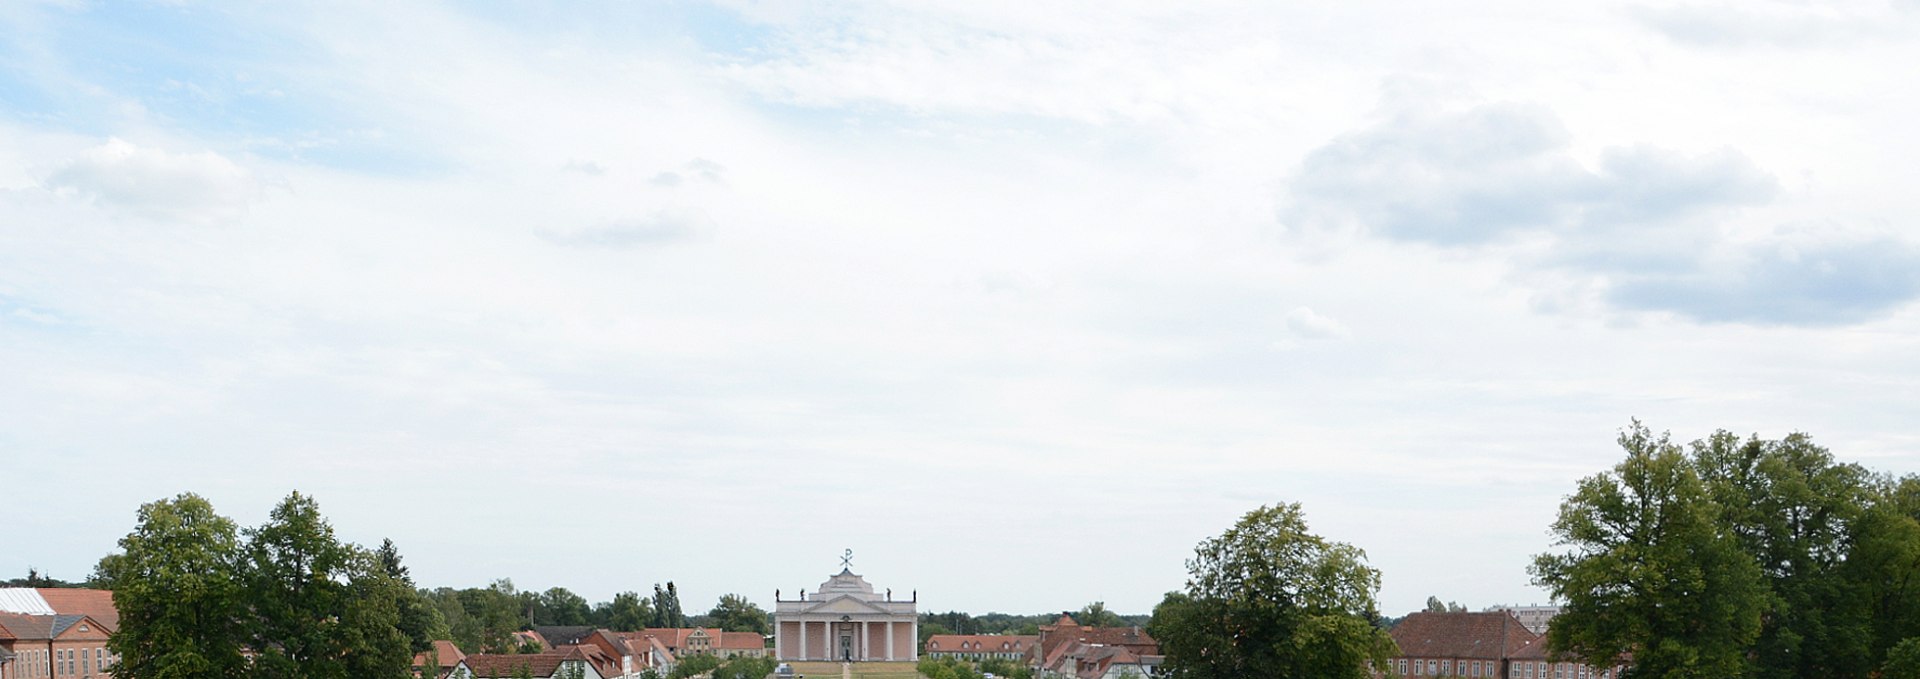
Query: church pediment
[{"x": 845, "y": 605}]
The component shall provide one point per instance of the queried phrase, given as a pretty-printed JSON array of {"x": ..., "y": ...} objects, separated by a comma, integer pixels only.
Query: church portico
[{"x": 846, "y": 620}]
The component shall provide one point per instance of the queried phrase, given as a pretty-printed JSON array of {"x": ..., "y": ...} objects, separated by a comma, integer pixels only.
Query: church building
[{"x": 846, "y": 621}]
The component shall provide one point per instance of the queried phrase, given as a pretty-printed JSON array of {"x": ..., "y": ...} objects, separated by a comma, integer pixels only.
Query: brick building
[
  {"x": 53, "y": 647},
  {"x": 1490, "y": 645},
  {"x": 980, "y": 646}
]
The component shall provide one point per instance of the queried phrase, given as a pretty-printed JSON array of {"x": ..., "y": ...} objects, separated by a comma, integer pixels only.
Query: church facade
[{"x": 845, "y": 620}]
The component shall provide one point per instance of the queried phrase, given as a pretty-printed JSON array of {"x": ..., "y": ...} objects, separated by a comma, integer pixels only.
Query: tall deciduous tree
[
  {"x": 1796, "y": 514},
  {"x": 178, "y": 594},
  {"x": 666, "y": 607},
  {"x": 560, "y": 606},
  {"x": 626, "y": 613},
  {"x": 735, "y": 614},
  {"x": 1886, "y": 559},
  {"x": 297, "y": 575},
  {"x": 1267, "y": 598},
  {"x": 420, "y": 620},
  {"x": 321, "y": 609},
  {"x": 1652, "y": 570}
]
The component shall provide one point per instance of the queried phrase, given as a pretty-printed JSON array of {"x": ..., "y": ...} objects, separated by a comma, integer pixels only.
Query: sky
[{"x": 1018, "y": 301}]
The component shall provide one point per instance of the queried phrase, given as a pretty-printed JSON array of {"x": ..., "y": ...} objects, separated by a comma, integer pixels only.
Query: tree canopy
[
  {"x": 735, "y": 613},
  {"x": 1267, "y": 598},
  {"x": 1735, "y": 558},
  {"x": 192, "y": 596}
]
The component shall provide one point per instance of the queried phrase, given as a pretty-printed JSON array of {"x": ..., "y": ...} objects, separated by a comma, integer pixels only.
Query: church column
[
  {"x": 890, "y": 640},
  {"x": 866, "y": 640},
  {"x": 914, "y": 633},
  {"x": 779, "y": 634},
  {"x": 803, "y": 638}
]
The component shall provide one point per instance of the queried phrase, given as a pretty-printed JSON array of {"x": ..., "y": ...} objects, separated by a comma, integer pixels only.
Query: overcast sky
[{"x": 1017, "y": 300}]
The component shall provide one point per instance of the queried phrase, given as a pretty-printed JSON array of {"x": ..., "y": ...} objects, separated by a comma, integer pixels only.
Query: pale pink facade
[{"x": 846, "y": 620}]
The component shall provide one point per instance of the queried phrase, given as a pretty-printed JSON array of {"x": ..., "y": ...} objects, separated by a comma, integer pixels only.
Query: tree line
[
  {"x": 198, "y": 596},
  {"x": 1094, "y": 614},
  {"x": 1738, "y": 557},
  {"x": 1723, "y": 557},
  {"x": 1727, "y": 557}
]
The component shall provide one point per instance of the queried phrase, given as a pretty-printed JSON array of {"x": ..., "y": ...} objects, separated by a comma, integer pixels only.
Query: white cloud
[
  {"x": 1305, "y": 323},
  {"x": 194, "y": 187},
  {"x": 1652, "y": 228}
]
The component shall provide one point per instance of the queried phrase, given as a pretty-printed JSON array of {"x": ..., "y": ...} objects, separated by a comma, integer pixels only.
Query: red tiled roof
[
  {"x": 1491, "y": 635},
  {"x": 495, "y": 665},
  {"x": 93, "y": 603},
  {"x": 605, "y": 664},
  {"x": 1117, "y": 636},
  {"x": 448, "y": 655},
  {"x": 740, "y": 641},
  {"x": 672, "y": 637},
  {"x": 981, "y": 643},
  {"x": 4, "y": 634}
]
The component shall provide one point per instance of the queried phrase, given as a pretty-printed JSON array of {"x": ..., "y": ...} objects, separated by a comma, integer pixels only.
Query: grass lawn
[{"x": 861, "y": 670}]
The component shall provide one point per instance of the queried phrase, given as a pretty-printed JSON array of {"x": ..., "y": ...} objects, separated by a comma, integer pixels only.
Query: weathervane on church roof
[{"x": 846, "y": 561}]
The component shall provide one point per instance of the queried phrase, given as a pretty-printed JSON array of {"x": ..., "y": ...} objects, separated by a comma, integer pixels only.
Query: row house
[
  {"x": 1489, "y": 645},
  {"x": 684, "y": 641},
  {"x": 977, "y": 647}
]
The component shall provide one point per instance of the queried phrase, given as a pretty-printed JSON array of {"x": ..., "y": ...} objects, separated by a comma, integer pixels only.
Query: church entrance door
[{"x": 846, "y": 647}]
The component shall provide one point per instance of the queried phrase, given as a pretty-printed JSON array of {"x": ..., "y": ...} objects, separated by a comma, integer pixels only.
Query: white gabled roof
[{"x": 24, "y": 600}]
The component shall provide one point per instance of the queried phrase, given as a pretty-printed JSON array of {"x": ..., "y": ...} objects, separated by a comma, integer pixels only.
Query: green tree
[
  {"x": 1903, "y": 661},
  {"x": 735, "y": 614},
  {"x": 371, "y": 634},
  {"x": 626, "y": 613},
  {"x": 1795, "y": 513},
  {"x": 178, "y": 594},
  {"x": 296, "y": 579},
  {"x": 560, "y": 606},
  {"x": 1002, "y": 667},
  {"x": 1096, "y": 615},
  {"x": 1435, "y": 605},
  {"x": 420, "y": 620},
  {"x": 1885, "y": 560},
  {"x": 1267, "y": 598},
  {"x": 321, "y": 609},
  {"x": 666, "y": 607},
  {"x": 690, "y": 665},
  {"x": 1652, "y": 572},
  {"x": 744, "y": 667}
]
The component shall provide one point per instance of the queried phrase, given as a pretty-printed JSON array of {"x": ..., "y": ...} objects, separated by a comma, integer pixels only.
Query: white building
[
  {"x": 1534, "y": 618},
  {"x": 846, "y": 621}
]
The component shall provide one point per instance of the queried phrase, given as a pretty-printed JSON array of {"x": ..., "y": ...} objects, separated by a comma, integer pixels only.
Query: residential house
[
  {"x": 978, "y": 647},
  {"x": 1067, "y": 649},
  {"x": 540, "y": 665},
  {"x": 649, "y": 651},
  {"x": 686, "y": 641},
  {"x": 439, "y": 662},
  {"x": 612, "y": 654}
]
